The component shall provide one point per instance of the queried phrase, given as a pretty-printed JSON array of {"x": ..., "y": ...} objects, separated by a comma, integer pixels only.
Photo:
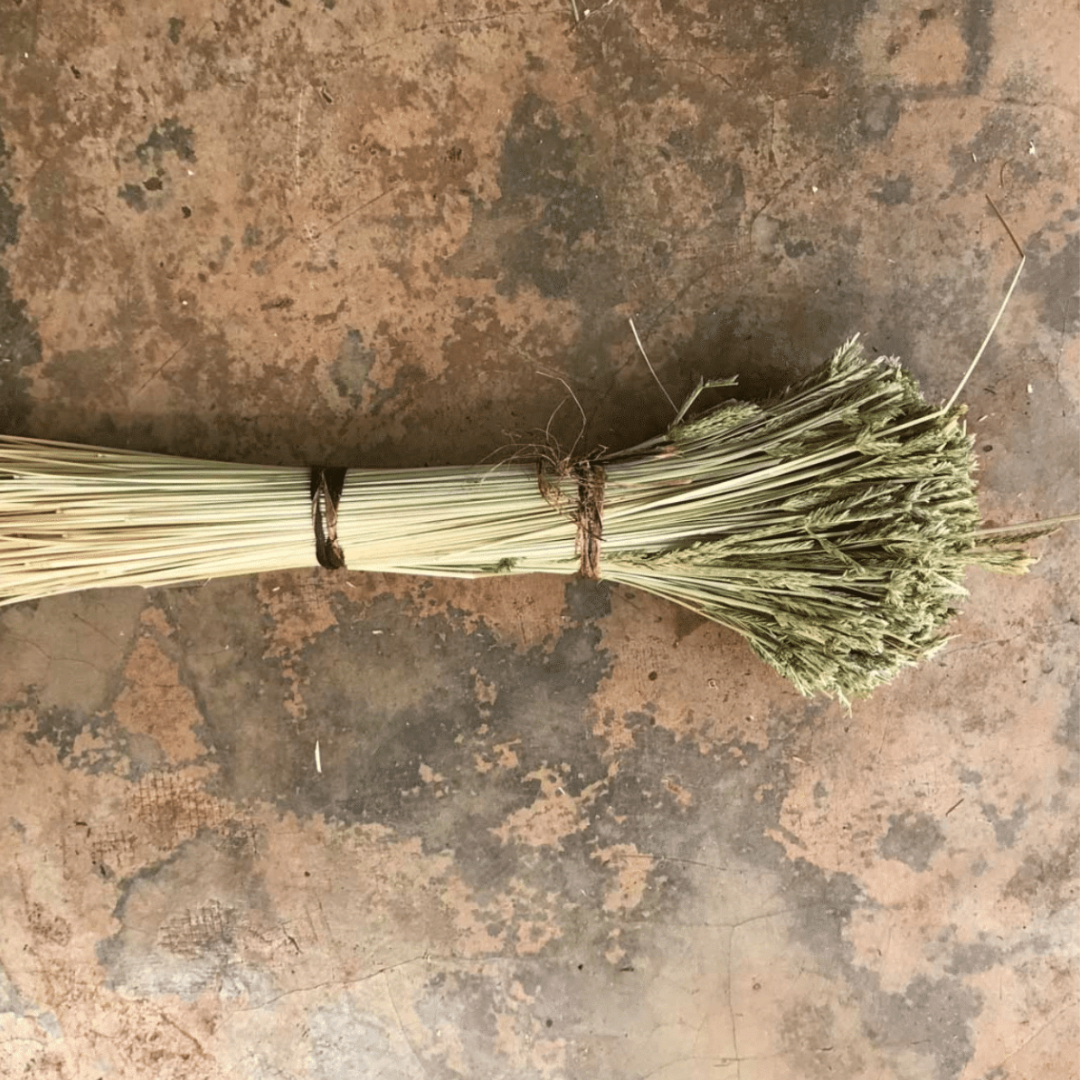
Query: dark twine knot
[
  {"x": 588, "y": 513},
  {"x": 326, "y": 488},
  {"x": 589, "y": 517}
]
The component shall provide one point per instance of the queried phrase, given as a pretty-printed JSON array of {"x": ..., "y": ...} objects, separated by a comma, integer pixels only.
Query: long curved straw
[{"x": 1001, "y": 310}]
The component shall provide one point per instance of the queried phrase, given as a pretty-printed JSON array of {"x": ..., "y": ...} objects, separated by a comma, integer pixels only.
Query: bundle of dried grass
[{"x": 832, "y": 528}]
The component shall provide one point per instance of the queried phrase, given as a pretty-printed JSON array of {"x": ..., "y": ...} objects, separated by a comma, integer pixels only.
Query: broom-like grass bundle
[{"x": 831, "y": 528}]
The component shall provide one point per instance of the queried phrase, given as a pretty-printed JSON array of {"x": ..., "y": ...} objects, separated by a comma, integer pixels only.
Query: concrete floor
[{"x": 561, "y": 830}]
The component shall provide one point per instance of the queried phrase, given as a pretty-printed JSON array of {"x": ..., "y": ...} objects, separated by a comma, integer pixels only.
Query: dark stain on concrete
[
  {"x": 932, "y": 1017},
  {"x": 382, "y": 704},
  {"x": 723, "y": 176},
  {"x": 542, "y": 698},
  {"x": 11, "y": 1001},
  {"x": 588, "y": 600},
  {"x": 220, "y": 649},
  {"x": 761, "y": 342},
  {"x": 115, "y": 751},
  {"x": 1054, "y": 278},
  {"x": 1006, "y": 830},
  {"x": 19, "y": 30},
  {"x": 59, "y": 728},
  {"x": 1048, "y": 881},
  {"x": 817, "y": 33},
  {"x": 170, "y": 137},
  {"x": 533, "y": 231},
  {"x": 797, "y": 249},
  {"x": 464, "y": 999},
  {"x": 85, "y": 373},
  {"x": 973, "y": 958},
  {"x": 817, "y": 906},
  {"x": 160, "y": 949},
  {"x": 892, "y": 191},
  {"x": 539, "y": 167},
  {"x": 806, "y": 1030},
  {"x": 1068, "y": 735},
  {"x": 622, "y": 63},
  {"x": 878, "y": 114},
  {"x": 9, "y": 212},
  {"x": 20, "y": 345},
  {"x": 351, "y": 367},
  {"x": 1004, "y": 138},
  {"x": 912, "y": 839},
  {"x": 976, "y": 26},
  {"x": 134, "y": 196}
]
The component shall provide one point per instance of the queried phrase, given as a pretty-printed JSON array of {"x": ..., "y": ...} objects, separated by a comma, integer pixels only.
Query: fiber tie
[
  {"x": 589, "y": 517},
  {"x": 588, "y": 514},
  {"x": 327, "y": 484}
]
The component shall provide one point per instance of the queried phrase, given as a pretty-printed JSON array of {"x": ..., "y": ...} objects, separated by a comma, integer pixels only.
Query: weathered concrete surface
[{"x": 561, "y": 830}]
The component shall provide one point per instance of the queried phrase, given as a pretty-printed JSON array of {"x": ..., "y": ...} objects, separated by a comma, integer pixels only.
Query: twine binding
[
  {"x": 588, "y": 513},
  {"x": 589, "y": 517},
  {"x": 326, "y": 487}
]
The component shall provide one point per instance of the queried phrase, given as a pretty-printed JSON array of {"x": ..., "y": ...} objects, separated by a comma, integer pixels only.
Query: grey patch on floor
[
  {"x": 892, "y": 191},
  {"x": 1068, "y": 735},
  {"x": 912, "y": 839},
  {"x": 170, "y": 137},
  {"x": 878, "y": 114},
  {"x": 382, "y": 704},
  {"x": 83, "y": 372},
  {"x": 797, "y": 249},
  {"x": 540, "y": 166},
  {"x": 351, "y": 367},
  {"x": 932, "y": 1017},
  {"x": 181, "y": 924},
  {"x": 587, "y": 600},
  {"x": 220, "y": 642},
  {"x": 115, "y": 751},
  {"x": 20, "y": 346},
  {"x": 818, "y": 33},
  {"x": 1003, "y": 137},
  {"x": 9, "y": 211},
  {"x": 11, "y": 1001},
  {"x": 134, "y": 196},
  {"x": 977, "y": 30},
  {"x": 385, "y": 705},
  {"x": 1006, "y": 830},
  {"x": 806, "y": 1030},
  {"x": 1054, "y": 278},
  {"x": 723, "y": 176},
  {"x": 465, "y": 1002},
  {"x": 347, "y": 1042},
  {"x": 1068, "y": 732},
  {"x": 1047, "y": 881},
  {"x": 380, "y": 714},
  {"x": 756, "y": 342},
  {"x": 625, "y": 66},
  {"x": 973, "y": 958}
]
